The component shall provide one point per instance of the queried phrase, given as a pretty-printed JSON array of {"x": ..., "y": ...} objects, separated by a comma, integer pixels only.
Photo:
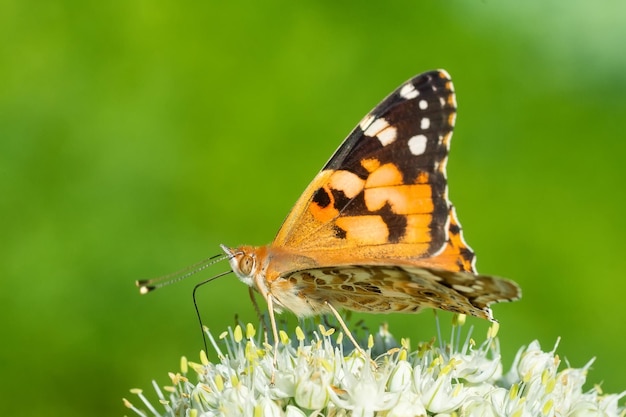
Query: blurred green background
[{"x": 135, "y": 136}]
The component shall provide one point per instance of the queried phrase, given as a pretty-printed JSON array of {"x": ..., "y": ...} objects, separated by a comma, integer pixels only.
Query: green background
[{"x": 135, "y": 136}]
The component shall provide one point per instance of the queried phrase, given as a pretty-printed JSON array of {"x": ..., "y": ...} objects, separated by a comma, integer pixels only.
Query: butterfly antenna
[
  {"x": 148, "y": 285},
  {"x": 195, "y": 304}
]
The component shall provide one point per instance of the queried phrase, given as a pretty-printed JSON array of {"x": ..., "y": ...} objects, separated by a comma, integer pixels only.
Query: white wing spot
[
  {"x": 380, "y": 129},
  {"x": 375, "y": 127},
  {"x": 423, "y": 104},
  {"x": 387, "y": 136},
  {"x": 425, "y": 123},
  {"x": 417, "y": 144},
  {"x": 367, "y": 120},
  {"x": 408, "y": 91}
]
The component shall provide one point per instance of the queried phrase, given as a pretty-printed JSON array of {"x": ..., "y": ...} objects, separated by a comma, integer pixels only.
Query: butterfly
[{"x": 375, "y": 231}]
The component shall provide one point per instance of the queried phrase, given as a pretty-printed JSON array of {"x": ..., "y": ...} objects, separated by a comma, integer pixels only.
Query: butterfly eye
[{"x": 246, "y": 264}]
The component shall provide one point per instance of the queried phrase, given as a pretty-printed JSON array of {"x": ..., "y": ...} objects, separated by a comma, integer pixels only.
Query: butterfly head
[
  {"x": 247, "y": 263},
  {"x": 243, "y": 261}
]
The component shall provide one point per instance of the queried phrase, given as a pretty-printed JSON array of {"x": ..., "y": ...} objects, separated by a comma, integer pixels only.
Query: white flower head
[{"x": 314, "y": 377}]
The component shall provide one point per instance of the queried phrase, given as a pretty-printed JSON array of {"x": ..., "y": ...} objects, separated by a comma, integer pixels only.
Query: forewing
[{"x": 383, "y": 194}]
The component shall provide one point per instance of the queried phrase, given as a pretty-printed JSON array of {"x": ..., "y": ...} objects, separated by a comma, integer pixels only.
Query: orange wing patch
[
  {"x": 456, "y": 255},
  {"x": 363, "y": 230},
  {"x": 348, "y": 212}
]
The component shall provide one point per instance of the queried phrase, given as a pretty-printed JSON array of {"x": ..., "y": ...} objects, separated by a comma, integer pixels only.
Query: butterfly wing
[
  {"x": 383, "y": 194},
  {"x": 393, "y": 289}
]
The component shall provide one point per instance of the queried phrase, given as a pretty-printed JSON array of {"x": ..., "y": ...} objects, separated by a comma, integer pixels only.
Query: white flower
[
  {"x": 439, "y": 392},
  {"x": 409, "y": 405},
  {"x": 400, "y": 377},
  {"x": 312, "y": 388},
  {"x": 363, "y": 391},
  {"x": 315, "y": 378}
]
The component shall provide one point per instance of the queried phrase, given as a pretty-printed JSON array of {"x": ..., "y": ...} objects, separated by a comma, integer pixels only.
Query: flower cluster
[{"x": 315, "y": 377}]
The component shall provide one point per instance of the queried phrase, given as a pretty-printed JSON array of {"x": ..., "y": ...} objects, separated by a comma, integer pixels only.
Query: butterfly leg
[
  {"x": 270, "y": 309},
  {"x": 349, "y": 333},
  {"x": 257, "y": 310}
]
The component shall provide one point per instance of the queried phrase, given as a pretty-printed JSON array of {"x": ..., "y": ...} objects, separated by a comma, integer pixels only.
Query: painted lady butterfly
[{"x": 375, "y": 231}]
